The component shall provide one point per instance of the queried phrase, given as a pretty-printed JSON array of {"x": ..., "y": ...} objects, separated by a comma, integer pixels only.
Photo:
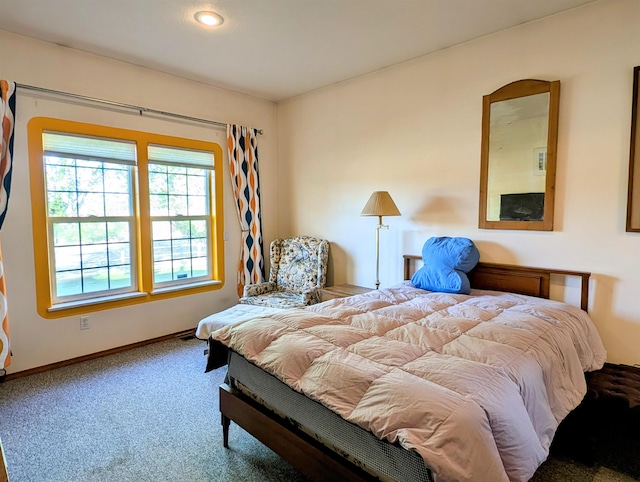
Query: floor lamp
[{"x": 379, "y": 204}]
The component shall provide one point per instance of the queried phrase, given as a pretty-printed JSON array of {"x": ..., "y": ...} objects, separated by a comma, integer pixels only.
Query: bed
[{"x": 494, "y": 404}]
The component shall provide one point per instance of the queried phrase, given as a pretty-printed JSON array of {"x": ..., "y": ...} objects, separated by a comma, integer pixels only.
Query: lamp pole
[{"x": 378, "y": 228}]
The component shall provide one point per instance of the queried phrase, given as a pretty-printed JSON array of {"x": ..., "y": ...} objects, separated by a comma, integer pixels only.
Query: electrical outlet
[{"x": 84, "y": 322}]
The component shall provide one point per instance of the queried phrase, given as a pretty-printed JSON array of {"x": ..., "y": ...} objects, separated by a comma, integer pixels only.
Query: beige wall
[
  {"x": 37, "y": 341},
  {"x": 414, "y": 130}
]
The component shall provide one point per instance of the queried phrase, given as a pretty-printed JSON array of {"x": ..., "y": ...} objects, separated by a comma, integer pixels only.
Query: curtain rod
[{"x": 125, "y": 106}]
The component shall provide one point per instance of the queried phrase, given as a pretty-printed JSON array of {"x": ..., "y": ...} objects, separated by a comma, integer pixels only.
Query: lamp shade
[{"x": 380, "y": 204}]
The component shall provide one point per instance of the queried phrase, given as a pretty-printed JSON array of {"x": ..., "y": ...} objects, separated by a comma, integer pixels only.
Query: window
[
  {"x": 179, "y": 200},
  {"x": 89, "y": 215},
  {"x": 121, "y": 216}
]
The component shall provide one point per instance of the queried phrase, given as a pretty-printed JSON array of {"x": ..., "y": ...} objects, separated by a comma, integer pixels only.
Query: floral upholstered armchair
[{"x": 298, "y": 273}]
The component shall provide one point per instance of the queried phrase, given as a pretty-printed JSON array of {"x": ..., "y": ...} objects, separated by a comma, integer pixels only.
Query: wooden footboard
[{"x": 303, "y": 452}]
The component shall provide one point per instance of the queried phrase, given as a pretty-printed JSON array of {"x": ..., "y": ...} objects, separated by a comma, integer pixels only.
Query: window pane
[
  {"x": 198, "y": 229},
  {"x": 60, "y": 178},
  {"x": 180, "y": 229},
  {"x": 162, "y": 250},
  {"x": 198, "y": 247},
  {"x": 187, "y": 248},
  {"x": 159, "y": 205},
  {"x": 116, "y": 180},
  {"x": 197, "y": 205},
  {"x": 89, "y": 180},
  {"x": 162, "y": 271},
  {"x": 177, "y": 184},
  {"x": 158, "y": 183},
  {"x": 68, "y": 283},
  {"x": 90, "y": 204},
  {"x": 196, "y": 185},
  {"x": 94, "y": 256},
  {"x": 117, "y": 231},
  {"x": 178, "y": 206},
  {"x": 182, "y": 269},
  {"x": 117, "y": 204},
  {"x": 65, "y": 234},
  {"x": 120, "y": 277},
  {"x": 161, "y": 230},
  {"x": 200, "y": 267},
  {"x": 176, "y": 170},
  {"x": 62, "y": 204},
  {"x": 100, "y": 247},
  {"x": 119, "y": 254},
  {"x": 181, "y": 249},
  {"x": 67, "y": 258},
  {"x": 92, "y": 233},
  {"x": 95, "y": 279}
]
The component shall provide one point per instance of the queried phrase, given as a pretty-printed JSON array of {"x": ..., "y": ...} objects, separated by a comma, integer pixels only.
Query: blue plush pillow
[{"x": 446, "y": 262}]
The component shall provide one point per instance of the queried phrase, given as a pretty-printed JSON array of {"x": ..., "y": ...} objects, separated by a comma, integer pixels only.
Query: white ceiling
[{"x": 273, "y": 49}]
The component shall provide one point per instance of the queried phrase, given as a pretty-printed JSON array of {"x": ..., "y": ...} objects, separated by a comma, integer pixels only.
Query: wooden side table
[{"x": 342, "y": 291}]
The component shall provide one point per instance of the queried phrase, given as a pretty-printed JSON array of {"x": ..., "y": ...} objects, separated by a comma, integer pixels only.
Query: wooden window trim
[{"x": 145, "y": 293}]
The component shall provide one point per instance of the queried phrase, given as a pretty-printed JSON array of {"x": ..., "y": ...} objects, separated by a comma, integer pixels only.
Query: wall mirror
[{"x": 518, "y": 156}]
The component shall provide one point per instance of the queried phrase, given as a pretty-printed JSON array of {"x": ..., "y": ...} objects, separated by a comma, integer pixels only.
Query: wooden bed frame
[
  {"x": 309, "y": 456},
  {"x": 514, "y": 279}
]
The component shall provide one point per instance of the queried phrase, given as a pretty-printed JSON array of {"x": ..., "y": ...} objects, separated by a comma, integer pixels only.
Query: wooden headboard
[{"x": 524, "y": 280}]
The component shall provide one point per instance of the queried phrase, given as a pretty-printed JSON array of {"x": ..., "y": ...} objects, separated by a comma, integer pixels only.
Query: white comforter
[{"x": 475, "y": 384}]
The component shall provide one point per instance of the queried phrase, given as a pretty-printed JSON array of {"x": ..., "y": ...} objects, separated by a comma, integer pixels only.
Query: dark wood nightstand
[{"x": 342, "y": 291}]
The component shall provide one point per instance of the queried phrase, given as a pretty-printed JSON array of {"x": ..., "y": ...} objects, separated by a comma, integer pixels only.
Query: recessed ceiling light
[{"x": 210, "y": 19}]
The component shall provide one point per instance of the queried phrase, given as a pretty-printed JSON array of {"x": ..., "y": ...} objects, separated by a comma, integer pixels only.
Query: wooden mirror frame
[
  {"x": 633, "y": 196},
  {"x": 514, "y": 90}
]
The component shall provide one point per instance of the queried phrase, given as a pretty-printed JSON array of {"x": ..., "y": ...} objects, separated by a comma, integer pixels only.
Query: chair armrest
[
  {"x": 258, "y": 289},
  {"x": 312, "y": 296}
]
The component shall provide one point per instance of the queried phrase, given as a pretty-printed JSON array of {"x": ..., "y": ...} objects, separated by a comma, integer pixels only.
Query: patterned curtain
[
  {"x": 243, "y": 165},
  {"x": 7, "y": 109}
]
